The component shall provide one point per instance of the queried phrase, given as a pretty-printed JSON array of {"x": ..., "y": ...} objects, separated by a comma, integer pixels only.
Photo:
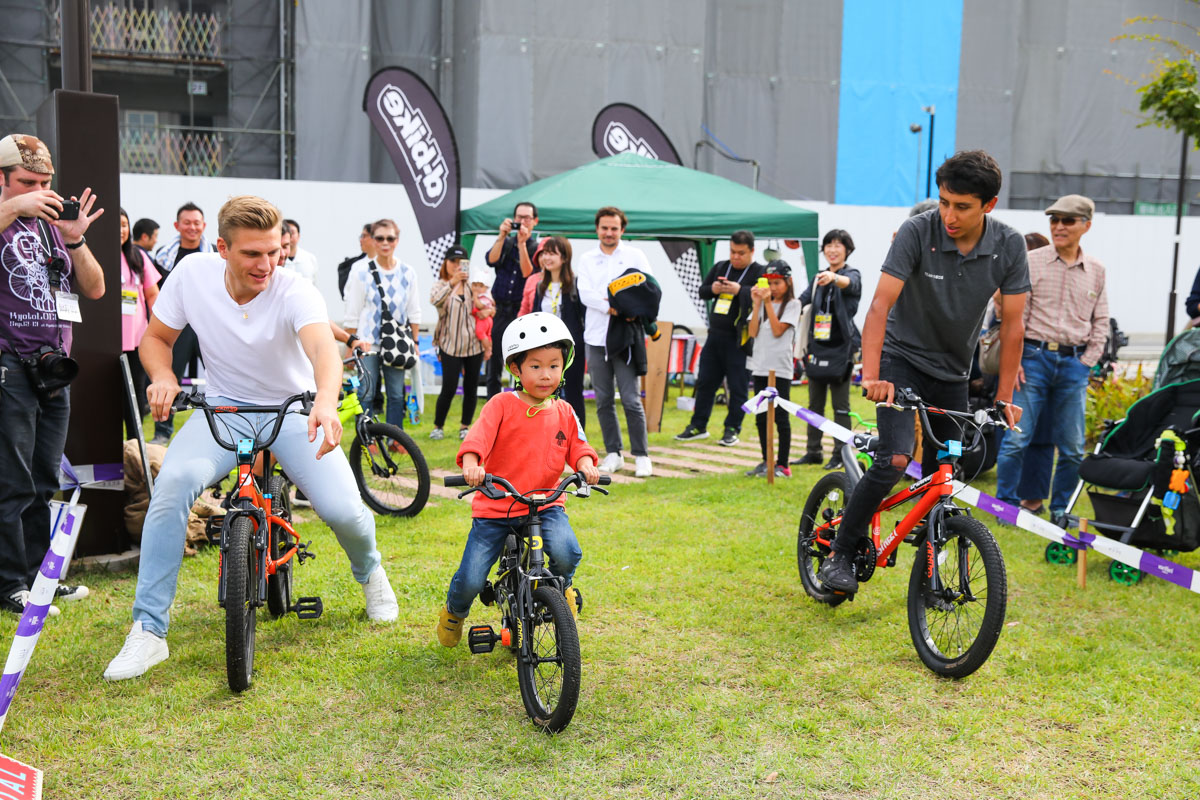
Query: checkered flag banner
[
  {"x": 686, "y": 262},
  {"x": 435, "y": 251}
]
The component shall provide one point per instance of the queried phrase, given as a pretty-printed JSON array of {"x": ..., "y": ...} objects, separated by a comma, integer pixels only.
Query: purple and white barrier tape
[
  {"x": 62, "y": 545},
  {"x": 1013, "y": 515}
]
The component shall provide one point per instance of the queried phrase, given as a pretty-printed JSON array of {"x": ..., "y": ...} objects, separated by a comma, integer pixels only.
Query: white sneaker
[
  {"x": 381, "y": 600},
  {"x": 643, "y": 468},
  {"x": 613, "y": 462},
  {"x": 141, "y": 651}
]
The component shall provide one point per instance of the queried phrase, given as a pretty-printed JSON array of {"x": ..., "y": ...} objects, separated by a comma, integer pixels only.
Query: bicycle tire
[
  {"x": 391, "y": 482},
  {"x": 955, "y": 634},
  {"x": 829, "y": 493},
  {"x": 550, "y": 687},
  {"x": 241, "y": 588},
  {"x": 279, "y": 585}
]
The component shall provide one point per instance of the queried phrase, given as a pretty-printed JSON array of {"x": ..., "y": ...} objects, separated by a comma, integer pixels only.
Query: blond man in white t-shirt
[{"x": 265, "y": 336}]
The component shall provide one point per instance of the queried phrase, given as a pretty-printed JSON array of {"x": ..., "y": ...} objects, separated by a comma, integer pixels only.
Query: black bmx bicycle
[
  {"x": 536, "y": 623},
  {"x": 258, "y": 543}
]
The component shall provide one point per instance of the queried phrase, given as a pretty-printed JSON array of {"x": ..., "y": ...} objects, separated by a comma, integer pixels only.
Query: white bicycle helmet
[{"x": 535, "y": 330}]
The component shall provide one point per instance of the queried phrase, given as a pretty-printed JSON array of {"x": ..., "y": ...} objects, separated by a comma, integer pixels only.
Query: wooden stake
[
  {"x": 1081, "y": 564},
  {"x": 771, "y": 431}
]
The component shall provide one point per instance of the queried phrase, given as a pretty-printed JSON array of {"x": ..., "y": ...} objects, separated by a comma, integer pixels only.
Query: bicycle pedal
[
  {"x": 482, "y": 639},
  {"x": 302, "y": 552},
  {"x": 308, "y": 607},
  {"x": 487, "y": 595},
  {"x": 212, "y": 528}
]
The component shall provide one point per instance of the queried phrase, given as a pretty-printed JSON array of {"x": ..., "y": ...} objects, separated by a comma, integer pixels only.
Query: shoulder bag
[{"x": 396, "y": 345}]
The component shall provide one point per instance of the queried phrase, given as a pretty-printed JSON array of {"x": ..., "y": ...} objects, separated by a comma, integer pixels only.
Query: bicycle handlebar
[
  {"x": 185, "y": 401},
  {"x": 497, "y": 488},
  {"x": 907, "y": 400}
]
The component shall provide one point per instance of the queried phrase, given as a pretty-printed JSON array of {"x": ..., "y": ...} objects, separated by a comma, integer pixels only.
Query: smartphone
[{"x": 70, "y": 210}]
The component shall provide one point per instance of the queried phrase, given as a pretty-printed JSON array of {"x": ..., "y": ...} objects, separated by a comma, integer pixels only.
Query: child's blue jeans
[{"x": 485, "y": 543}]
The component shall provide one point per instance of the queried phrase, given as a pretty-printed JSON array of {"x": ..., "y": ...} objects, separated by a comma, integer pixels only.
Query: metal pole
[
  {"x": 929, "y": 174},
  {"x": 76, "y": 47},
  {"x": 1178, "y": 228}
]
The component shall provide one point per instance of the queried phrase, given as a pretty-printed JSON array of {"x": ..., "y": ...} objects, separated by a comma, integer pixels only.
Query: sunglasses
[
  {"x": 1067, "y": 221},
  {"x": 385, "y": 238}
]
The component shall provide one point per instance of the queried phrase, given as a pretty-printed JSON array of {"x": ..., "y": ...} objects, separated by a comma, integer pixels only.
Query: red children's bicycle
[{"x": 958, "y": 588}]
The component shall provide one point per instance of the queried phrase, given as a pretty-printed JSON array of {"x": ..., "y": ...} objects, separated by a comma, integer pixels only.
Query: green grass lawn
[{"x": 707, "y": 672}]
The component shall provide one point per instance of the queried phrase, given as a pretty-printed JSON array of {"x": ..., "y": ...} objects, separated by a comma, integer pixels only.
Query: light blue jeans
[
  {"x": 1056, "y": 387},
  {"x": 194, "y": 461},
  {"x": 485, "y": 543},
  {"x": 393, "y": 386}
]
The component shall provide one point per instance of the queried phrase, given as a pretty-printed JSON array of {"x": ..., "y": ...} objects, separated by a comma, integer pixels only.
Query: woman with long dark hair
[
  {"x": 139, "y": 290},
  {"x": 553, "y": 290}
]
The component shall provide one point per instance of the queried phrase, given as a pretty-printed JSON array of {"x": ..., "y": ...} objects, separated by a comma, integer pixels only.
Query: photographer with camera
[
  {"x": 512, "y": 257},
  {"x": 46, "y": 260}
]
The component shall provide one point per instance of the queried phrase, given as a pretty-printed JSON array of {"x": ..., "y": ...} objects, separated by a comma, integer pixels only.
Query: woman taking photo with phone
[{"x": 459, "y": 349}]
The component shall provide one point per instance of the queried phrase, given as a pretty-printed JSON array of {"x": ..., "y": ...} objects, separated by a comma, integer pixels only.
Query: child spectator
[
  {"x": 512, "y": 426},
  {"x": 483, "y": 309},
  {"x": 773, "y": 322}
]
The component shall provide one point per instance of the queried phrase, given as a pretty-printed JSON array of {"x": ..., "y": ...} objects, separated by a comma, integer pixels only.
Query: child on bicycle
[
  {"x": 527, "y": 437},
  {"x": 922, "y": 327},
  {"x": 773, "y": 325}
]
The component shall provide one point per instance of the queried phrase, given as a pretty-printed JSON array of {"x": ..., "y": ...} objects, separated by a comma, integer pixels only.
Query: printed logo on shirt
[
  {"x": 935, "y": 277},
  {"x": 560, "y": 439},
  {"x": 23, "y": 259}
]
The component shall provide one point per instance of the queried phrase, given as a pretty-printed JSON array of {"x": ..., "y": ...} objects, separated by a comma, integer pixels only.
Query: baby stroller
[{"x": 1141, "y": 478}]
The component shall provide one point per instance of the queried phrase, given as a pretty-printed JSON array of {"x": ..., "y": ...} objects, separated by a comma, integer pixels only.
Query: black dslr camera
[{"x": 50, "y": 369}]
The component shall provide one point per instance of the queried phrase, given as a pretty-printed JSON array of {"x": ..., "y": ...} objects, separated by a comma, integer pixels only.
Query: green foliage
[
  {"x": 1171, "y": 97},
  {"x": 1111, "y": 398}
]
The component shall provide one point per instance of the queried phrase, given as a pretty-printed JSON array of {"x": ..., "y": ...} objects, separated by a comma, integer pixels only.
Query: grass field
[{"x": 707, "y": 672}]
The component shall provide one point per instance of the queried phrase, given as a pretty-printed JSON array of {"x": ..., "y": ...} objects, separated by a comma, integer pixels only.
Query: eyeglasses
[
  {"x": 1066, "y": 221},
  {"x": 385, "y": 238}
]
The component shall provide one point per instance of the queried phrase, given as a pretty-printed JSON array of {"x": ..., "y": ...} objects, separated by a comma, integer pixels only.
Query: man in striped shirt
[{"x": 1066, "y": 325}]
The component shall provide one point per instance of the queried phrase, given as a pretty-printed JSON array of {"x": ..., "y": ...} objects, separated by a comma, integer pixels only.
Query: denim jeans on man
[
  {"x": 194, "y": 460},
  {"x": 485, "y": 543},
  {"x": 721, "y": 359},
  {"x": 393, "y": 386},
  {"x": 1055, "y": 384},
  {"x": 32, "y": 437},
  {"x": 603, "y": 372}
]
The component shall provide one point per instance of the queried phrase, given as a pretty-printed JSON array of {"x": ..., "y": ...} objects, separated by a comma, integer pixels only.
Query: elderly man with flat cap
[
  {"x": 1066, "y": 325},
  {"x": 46, "y": 266}
]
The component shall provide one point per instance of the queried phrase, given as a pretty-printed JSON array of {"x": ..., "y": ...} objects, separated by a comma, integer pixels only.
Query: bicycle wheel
[
  {"x": 279, "y": 585},
  {"x": 826, "y": 501},
  {"x": 390, "y": 470},
  {"x": 955, "y": 629},
  {"x": 241, "y": 588},
  {"x": 549, "y": 678}
]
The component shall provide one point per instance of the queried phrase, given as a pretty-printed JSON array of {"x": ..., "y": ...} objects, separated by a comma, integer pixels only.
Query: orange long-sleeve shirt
[{"x": 529, "y": 452}]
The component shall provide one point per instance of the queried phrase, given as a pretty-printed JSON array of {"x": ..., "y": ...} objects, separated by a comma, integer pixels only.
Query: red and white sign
[{"x": 19, "y": 781}]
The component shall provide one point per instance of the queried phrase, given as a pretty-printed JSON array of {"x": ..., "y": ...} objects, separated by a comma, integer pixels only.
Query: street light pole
[
  {"x": 931, "y": 110},
  {"x": 1178, "y": 228},
  {"x": 916, "y": 128}
]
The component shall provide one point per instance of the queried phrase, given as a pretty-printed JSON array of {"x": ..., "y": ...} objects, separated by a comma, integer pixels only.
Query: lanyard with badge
[
  {"x": 129, "y": 297},
  {"x": 823, "y": 319},
  {"x": 724, "y": 302},
  {"x": 66, "y": 303}
]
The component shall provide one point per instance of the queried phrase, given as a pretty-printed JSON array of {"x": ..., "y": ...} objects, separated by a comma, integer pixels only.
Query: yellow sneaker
[
  {"x": 449, "y": 629},
  {"x": 573, "y": 600}
]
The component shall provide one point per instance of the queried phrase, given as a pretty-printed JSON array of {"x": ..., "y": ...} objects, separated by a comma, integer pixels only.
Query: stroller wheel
[
  {"x": 1124, "y": 574},
  {"x": 1058, "y": 553}
]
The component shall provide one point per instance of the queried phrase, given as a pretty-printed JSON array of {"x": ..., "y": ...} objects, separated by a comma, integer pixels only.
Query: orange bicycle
[
  {"x": 258, "y": 544},
  {"x": 958, "y": 588}
]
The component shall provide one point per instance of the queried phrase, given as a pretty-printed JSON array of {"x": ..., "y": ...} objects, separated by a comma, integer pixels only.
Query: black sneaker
[
  {"x": 808, "y": 458},
  {"x": 690, "y": 434},
  {"x": 834, "y": 463},
  {"x": 730, "y": 438},
  {"x": 837, "y": 573},
  {"x": 758, "y": 472}
]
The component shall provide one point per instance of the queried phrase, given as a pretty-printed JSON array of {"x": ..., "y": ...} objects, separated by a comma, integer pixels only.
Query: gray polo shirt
[{"x": 936, "y": 321}]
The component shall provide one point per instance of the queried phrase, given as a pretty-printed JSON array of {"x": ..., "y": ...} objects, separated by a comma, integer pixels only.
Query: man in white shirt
[
  {"x": 265, "y": 336},
  {"x": 300, "y": 259},
  {"x": 595, "y": 270}
]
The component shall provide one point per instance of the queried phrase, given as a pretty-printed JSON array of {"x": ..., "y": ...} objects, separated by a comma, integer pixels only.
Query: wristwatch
[
  {"x": 351, "y": 339},
  {"x": 82, "y": 241}
]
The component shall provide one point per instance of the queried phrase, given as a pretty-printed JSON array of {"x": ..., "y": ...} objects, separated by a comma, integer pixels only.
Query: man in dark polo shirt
[
  {"x": 512, "y": 258},
  {"x": 922, "y": 327}
]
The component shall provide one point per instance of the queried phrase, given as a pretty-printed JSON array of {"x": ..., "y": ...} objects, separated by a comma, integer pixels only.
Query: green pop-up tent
[{"x": 662, "y": 201}]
